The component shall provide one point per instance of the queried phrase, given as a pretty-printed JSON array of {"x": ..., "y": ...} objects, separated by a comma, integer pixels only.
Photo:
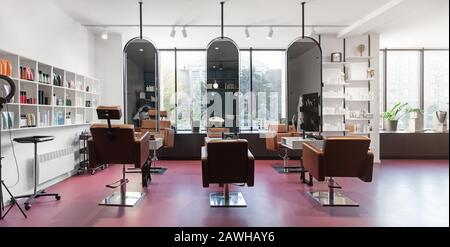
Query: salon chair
[
  {"x": 343, "y": 156},
  {"x": 275, "y": 133},
  {"x": 226, "y": 162},
  {"x": 119, "y": 144},
  {"x": 165, "y": 131},
  {"x": 215, "y": 132}
]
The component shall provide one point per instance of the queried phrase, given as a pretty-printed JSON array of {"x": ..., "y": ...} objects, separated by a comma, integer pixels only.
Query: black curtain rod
[{"x": 140, "y": 19}]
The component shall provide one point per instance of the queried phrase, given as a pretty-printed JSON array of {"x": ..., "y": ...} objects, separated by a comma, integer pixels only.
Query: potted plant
[
  {"x": 415, "y": 119},
  {"x": 391, "y": 117}
]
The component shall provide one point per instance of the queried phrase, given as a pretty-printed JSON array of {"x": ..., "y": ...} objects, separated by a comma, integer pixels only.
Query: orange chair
[{"x": 273, "y": 138}]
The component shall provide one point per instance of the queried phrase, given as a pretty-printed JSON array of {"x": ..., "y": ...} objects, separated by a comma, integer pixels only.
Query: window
[
  {"x": 435, "y": 85},
  {"x": 403, "y": 80},
  {"x": 244, "y": 89},
  {"x": 418, "y": 77},
  {"x": 167, "y": 83},
  {"x": 268, "y": 87},
  {"x": 381, "y": 88},
  {"x": 191, "y": 88}
]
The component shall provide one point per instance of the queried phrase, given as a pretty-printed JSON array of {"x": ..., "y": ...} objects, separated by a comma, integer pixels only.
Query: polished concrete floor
[{"x": 403, "y": 193}]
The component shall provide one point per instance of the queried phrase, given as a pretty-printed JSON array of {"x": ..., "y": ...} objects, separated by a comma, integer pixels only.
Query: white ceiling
[{"x": 376, "y": 16}]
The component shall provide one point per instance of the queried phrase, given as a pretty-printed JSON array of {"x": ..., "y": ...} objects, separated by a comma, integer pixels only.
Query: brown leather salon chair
[
  {"x": 216, "y": 132},
  {"x": 227, "y": 162},
  {"x": 343, "y": 156},
  {"x": 274, "y": 135},
  {"x": 119, "y": 144},
  {"x": 165, "y": 131}
]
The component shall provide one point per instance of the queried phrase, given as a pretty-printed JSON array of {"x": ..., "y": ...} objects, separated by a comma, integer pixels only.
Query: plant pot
[{"x": 390, "y": 125}]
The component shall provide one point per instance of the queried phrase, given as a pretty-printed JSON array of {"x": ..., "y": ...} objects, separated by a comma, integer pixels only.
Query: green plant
[{"x": 392, "y": 114}]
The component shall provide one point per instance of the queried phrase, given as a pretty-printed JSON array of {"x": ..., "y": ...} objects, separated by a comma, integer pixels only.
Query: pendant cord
[
  {"x": 303, "y": 19},
  {"x": 140, "y": 19},
  {"x": 221, "y": 25}
]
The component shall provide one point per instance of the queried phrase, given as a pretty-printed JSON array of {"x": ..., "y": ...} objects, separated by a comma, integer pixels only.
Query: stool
[{"x": 36, "y": 194}]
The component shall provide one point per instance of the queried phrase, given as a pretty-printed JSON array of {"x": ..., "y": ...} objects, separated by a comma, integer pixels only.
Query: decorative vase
[
  {"x": 416, "y": 122},
  {"x": 390, "y": 125}
]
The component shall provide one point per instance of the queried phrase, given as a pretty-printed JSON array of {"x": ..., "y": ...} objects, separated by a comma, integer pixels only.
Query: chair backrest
[
  {"x": 151, "y": 124},
  {"x": 216, "y": 132},
  {"x": 227, "y": 161},
  {"x": 345, "y": 156},
  {"x": 115, "y": 145}
]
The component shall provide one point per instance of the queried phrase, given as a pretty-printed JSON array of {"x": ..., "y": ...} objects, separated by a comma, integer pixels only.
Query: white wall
[
  {"x": 40, "y": 31},
  {"x": 108, "y": 68}
]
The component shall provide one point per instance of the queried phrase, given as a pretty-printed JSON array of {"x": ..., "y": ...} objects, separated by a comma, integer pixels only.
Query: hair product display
[
  {"x": 27, "y": 120},
  {"x": 26, "y": 73},
  {"x": 5, "y": 67},
  {"x": 43, "y": 77},
  {"x": 57, "y": 80}
]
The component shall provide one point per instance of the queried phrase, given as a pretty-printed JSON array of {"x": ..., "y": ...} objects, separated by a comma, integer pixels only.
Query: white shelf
[
  {"x": 358, "y": 119},
  {"x": 334, "y": 98},
  {"x": 358, "y": 100},
  {"x": 78, "y": 95},
  {"x": 359, "y": 80},
  {"x": 334, "y": 114},
  {"x": 45, "y": 127},
  {"x": 334, "y": 63},
  {"x": 335, "y": 84},
  {"x": 343, "y": 130},
  {"x": 358, "y": 133},
  {"x": 358, "y": 58}
]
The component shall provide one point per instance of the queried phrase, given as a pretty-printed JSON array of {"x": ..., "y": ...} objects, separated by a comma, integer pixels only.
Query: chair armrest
[
  {"x": 205, "y": 178},
  {"x": 251, "y": 169},
  {"x": 313, "y": 161},
  {"x": 367, "y": 170}
]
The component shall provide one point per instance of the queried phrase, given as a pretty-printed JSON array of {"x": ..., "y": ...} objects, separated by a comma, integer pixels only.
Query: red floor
[{"x": 403, "y": 193}]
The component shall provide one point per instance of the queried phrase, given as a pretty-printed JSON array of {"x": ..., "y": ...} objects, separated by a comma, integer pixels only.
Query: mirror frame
[
  {"x": 321, "y": 80},
  {"x": 125, "y": 79},
  {"x": 238, "y": 119}
]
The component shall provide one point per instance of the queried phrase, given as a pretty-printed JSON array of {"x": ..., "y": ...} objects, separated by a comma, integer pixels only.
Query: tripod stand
[{"x": 4, "y": 100}]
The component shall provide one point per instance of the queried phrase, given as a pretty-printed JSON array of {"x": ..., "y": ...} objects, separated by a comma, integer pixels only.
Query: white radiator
[{"x": 55, "y": 163}]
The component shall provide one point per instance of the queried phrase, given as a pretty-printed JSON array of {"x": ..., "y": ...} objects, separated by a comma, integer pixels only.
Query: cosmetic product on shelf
[
  {"x": 68, "y": 118},
  {"x": 26, "y": 73},
  {"x": 57, "y": 80},
  {"x": 5, "y": 67},
  {"x": 68, "y": 101},
  {"x": 7, "y": 120}
]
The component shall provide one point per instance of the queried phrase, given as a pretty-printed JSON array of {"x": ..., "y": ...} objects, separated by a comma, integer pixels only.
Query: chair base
[
  {"x": 332, "y": 199},
  {"x": 32, "y": 197},
  {"x": 287, "y": 169},
  {"x": 235, "y": 199},
  {"x": 118, "y": 199},
  {"x": 158, "y": 170}
]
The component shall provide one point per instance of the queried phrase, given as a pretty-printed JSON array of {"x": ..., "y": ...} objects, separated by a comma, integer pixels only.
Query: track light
[
  {"x": 184, "y": 32},
  {"x": 173, "y": 32},
  {"x": 270, "y": 34},
  {"x": 104, "y": 34},
  {"x": 247, "y": 33}
]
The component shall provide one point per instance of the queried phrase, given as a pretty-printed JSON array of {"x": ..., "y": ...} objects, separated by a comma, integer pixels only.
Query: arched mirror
[
  {"x": 304, "y": 84},
  {"x": 140, "y": 80},
  {"x": 223, "y": 84}
]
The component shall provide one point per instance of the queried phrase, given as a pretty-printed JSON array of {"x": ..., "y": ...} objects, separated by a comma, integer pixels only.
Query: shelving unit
[
  {"x": 50, "y": 105},
  {"x": 349, "y": 78}
]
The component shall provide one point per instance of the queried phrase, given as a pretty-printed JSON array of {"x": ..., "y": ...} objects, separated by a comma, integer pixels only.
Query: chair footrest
[{"x": 119, "y": 183}]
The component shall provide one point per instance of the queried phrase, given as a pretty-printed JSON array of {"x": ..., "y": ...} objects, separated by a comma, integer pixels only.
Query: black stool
[{"x": 36, "y": 193}]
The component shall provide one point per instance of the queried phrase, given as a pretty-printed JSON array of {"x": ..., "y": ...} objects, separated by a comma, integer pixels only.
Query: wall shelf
[{"x": 50, "y": 115}]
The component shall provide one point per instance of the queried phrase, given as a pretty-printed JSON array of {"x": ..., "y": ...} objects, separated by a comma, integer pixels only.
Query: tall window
[
  {"x": 418, "y": 77},
  {"x": 435, "y": 85},
  {"x": 268, "y": 87},
  {"x": 244, "y": 89},
  {"x": 167, "y": 83},
  {"x": 403, "y": 80},
  {"x": 191, "y": 88}
]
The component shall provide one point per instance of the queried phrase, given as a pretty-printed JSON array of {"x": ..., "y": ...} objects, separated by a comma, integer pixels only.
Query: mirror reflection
[
  {"x": 304, "y": 84},
  {"x": 141, "y": 87},
  {"x": 223, "y": 85}
]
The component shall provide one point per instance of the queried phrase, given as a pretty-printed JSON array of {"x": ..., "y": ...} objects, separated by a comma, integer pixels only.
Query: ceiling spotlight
[
  {"x": 270, "y": 34},
  {"x": 141, "y": 50},
  {"x": 184, "y": 32},
  {"x": 104, "y": 34},
  {"x": 217, "y": 48},
  {"x": 173, "y": 32},
  {"x": 215, "y": 85},
  {"x": 247, "y": 33}
]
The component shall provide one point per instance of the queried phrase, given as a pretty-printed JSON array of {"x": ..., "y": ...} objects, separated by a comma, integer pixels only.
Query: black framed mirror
[
  {"x": 140, "y": 80},
  {"x": 304, "y": 84},
  {"x": 223, "y": 84}
]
